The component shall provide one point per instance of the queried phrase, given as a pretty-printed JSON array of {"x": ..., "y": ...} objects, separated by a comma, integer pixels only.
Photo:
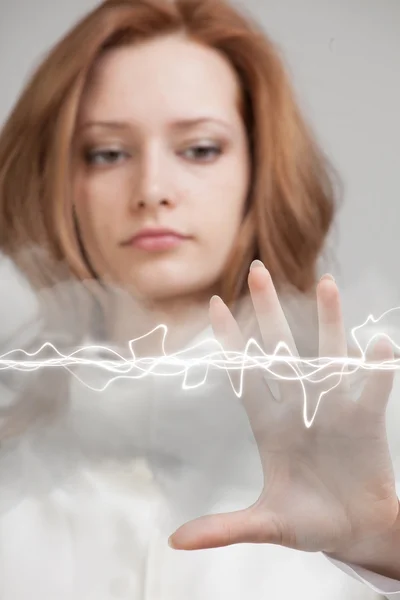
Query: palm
[
  {"x": 326, "y": 485},
  {"x": 319, "y": 485}
]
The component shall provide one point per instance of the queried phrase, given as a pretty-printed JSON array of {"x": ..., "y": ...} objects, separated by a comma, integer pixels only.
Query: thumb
[{"x": 213, "y": 531}]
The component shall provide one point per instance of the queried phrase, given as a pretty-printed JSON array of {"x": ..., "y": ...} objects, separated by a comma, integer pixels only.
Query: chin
[{"x": 163, "y": 291}]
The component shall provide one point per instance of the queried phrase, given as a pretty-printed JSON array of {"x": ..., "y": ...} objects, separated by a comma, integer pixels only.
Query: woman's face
[{"x": 160, "y": 145}]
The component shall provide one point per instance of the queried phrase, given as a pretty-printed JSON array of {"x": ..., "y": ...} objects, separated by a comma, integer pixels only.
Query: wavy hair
[{"x": 291, "y": 200}]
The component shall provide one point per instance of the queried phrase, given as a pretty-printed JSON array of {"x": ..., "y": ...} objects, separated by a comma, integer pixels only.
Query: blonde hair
[{"x": 290, "y": 203}]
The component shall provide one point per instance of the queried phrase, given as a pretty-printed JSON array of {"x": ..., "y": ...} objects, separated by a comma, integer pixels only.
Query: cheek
[
  {"x": 220, "y": 234},
  {"x": 97, "y": 206},
  {"x": 224, "y": 215},
  {"x": 101, "y": 191}
]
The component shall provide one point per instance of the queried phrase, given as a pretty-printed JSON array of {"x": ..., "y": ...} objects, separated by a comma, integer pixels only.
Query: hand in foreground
[{"x": 328, "y": 487}]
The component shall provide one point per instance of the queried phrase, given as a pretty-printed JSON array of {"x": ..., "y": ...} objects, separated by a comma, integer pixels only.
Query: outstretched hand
[{"x": 327, "y": 486}]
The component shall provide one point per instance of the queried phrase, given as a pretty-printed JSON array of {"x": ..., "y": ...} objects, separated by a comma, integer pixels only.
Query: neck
[{"x": 183, "y": 317}]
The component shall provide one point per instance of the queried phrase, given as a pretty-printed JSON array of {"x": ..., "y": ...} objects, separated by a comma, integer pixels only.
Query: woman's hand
[{"x": 329, "y": 486}]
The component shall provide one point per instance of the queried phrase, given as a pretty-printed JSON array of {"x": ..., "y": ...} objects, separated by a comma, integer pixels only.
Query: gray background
[{"x": 344, "y": 56}]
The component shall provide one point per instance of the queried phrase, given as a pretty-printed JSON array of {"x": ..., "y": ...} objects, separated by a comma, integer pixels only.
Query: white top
[{"x": 89, "y": 498}]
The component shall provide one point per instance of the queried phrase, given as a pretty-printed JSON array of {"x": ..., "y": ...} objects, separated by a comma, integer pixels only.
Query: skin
[
  {"x": 338, "y": 473},
  {"x": 328, "y": 487},
  {"x": 153, "y": 172}
]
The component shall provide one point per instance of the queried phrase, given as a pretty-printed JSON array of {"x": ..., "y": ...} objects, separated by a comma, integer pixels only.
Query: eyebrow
[{"x": 181, "y": 124}]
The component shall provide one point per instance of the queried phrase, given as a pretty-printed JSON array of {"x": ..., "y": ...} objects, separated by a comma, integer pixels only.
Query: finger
[
  {"x": 332, "y": 335},
  {"x": 228, "y": 334},
  {"x": 271, "y": 319},
  {"x": 274, "y": 330},
  {"x": 215, "y": 531},
  {"x": 376, "y": 392},
  {"x": 224, "y": 325}
]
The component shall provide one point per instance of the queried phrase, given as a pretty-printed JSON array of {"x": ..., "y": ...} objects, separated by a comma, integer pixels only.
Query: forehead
[{"x": 161, "y": 80}]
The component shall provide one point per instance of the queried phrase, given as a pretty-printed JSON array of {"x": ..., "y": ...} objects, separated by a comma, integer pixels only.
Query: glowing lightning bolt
[{"x": 137, "y": 368}]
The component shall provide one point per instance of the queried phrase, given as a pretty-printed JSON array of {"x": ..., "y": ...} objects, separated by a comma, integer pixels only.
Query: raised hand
[{"x": 327, "y": 486}]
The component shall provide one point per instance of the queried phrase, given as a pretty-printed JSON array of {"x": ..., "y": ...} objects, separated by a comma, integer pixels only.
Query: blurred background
[{"x": 344, "y": 57}]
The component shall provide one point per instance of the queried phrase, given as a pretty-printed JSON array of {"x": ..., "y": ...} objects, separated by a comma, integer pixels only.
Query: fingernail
[
  {"x": 216, "y": 300},
  {"x": 256, "y": 263},
  {"x": 171, "y": 543},
  {"x": 327, "y": 276}
]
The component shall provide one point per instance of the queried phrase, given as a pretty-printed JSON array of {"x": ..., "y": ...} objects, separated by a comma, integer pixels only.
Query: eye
[
  {"x": 106, "y": 156},
  {"x": 203, "y": 152}
]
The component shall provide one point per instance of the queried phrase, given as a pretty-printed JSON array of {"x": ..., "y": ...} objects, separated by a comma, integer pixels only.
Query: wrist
[{"x": 380, "y": 554}]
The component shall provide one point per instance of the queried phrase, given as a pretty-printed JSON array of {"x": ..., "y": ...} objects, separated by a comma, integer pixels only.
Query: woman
[{"x": 158, "y": 151}]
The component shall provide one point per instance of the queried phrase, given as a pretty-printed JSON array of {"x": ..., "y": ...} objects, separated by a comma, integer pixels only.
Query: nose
[{"x": 153, "y": 186}]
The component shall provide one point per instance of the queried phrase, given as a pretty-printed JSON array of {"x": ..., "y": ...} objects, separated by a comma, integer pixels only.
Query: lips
[
  {"x": 156, "y": 233},
  {"x": 156, "y": 239}
]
